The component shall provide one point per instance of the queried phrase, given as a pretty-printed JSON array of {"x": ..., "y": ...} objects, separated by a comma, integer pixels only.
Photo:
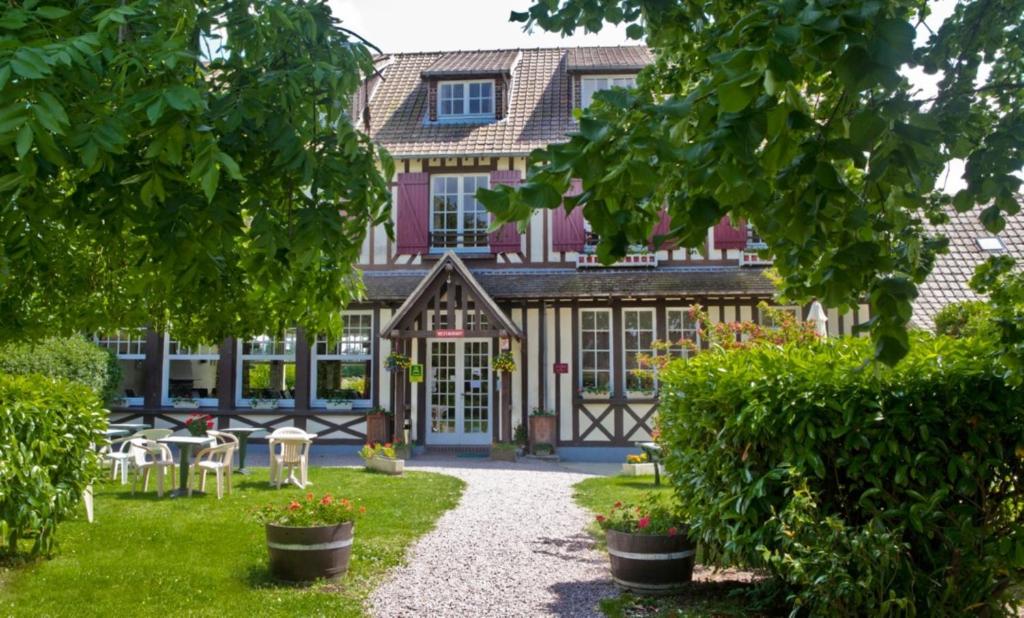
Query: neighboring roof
[
  {"x": 591, "y": 59},
  {"x": 541, "y": 283},
  {"x": 449, "y": 261},
  {"x": 538, "y": 113},
  {"x": 453, "y": 64},
  {"x": 949, "y": 280}
]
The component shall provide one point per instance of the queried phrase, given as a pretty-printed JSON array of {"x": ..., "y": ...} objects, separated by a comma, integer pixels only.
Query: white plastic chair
[
  {"x": 289, "y": 448},
  {"x": 153, "y": 434},
  {"x": 118, "y": 453},
  {"x": 216, "y": 459},
  {"x": 148, "y": 455}
]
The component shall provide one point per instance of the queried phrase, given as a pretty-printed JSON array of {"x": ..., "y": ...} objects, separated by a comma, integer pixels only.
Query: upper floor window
[
  {"x": 457, "y": 219},
  {"x": 465, "y": 99},
  {"x": 590, "y": 85},
  {"x": 130, "y": 347},
  {"x": 754, "y": 240}
]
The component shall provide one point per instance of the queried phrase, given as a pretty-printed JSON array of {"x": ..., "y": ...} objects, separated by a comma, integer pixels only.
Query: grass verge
[{"x": 206, "y": 557}]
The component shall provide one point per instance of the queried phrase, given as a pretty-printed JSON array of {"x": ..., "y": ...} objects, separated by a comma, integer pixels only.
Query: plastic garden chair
[
  {"x": 148, "y": 455},
  {"x": 222, "y": 437},
  {"x": 118, "y": 452},
  {"x": 153, "y": 434},
  {"x": 289, "y": 448},
  {"x": 216, "y": 459}
]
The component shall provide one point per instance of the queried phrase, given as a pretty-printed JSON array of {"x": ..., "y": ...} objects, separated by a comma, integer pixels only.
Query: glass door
[{"x": 459, "y": 388}]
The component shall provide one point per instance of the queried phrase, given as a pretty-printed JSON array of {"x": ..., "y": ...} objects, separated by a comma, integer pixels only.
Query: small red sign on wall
[
  {"x": 449, "y": 333},
  {"x": 561, "y": 367}
]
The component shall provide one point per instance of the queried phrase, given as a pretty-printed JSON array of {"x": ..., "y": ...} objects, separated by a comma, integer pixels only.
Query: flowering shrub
[
  {"x": 650, "y": 516},
  {"x": 327, "y": 511},
  {"x": 369, "y": 451},
  {"x": 503, "y": 362},
  {"x": 636, "y": 459},
  {"x": 197, "y": 424}
]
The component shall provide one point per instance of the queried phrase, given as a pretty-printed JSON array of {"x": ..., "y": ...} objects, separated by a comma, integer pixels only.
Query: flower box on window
[
  {"x": 185, "y": 403},
  {"x": 339, "y": 405},
  {"x": 595, "y": 393},
  {"x": 263, "y": 404}
]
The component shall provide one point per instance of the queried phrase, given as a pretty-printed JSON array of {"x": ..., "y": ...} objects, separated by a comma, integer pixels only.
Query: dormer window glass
[
  {"x": 590, "y": 85},
  {"x": 470, "y": 99}
]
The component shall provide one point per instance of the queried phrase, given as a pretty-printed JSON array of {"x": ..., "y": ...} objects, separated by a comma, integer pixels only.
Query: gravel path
[{"x": 515, "y": 545}]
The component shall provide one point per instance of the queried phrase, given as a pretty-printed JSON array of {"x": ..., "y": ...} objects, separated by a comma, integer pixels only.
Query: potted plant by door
[
  {"x": 503, "y": 451},
  {"x": 382, "y": 458},
  {"x": 310, "y": 539},
  {"x": 542, "y": 428},
  {"x": 378, "y": 425},
  {"x": 648, "y": 545},
  {"x": 403, "y": 450}
]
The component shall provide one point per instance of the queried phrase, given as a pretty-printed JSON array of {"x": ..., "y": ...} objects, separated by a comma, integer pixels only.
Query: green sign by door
[{"x": 416, "y": 372}]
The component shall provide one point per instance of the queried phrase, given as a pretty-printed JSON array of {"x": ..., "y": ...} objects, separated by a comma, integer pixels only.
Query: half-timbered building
[{"x": 450, "y": 295}]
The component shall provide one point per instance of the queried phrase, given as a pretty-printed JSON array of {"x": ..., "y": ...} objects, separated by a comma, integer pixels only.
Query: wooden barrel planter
[
  {"x": 650, "y": 563},
  {"x": 308, "y": 554}
]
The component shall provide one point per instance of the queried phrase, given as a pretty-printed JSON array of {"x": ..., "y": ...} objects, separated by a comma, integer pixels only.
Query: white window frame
[
  {"x": 285, "y": 357},
  {"x": 754, "y": 240},
  {"x": 465, "y": 115},
  {"x": 314, "y": 357},
  {"x": 165, "y": 383},
  {"x": 460, "y": 211},
  {"x": 114, "y": 341},
  {"x": 586, "y": 100},
  {"x": 631, "y": 354},
  {"x": 610, "y": 350},
  {"x": 693, "y": 327}
]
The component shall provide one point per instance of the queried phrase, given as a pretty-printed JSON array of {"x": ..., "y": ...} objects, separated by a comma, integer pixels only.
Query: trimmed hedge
[
  {"x": 47, "y": 427},
  {"x": 865, "y": 490},
  {"x": 70, "y": 358}
]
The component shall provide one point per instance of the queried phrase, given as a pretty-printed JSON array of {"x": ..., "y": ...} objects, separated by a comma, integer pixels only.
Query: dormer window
[
  {"x": 466, "y": 100},
  {"x": 596, "y": 83}
]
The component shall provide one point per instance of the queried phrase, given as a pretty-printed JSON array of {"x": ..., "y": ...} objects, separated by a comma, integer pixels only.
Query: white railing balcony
[
  {"x": 636, "y": 260},
  {"x": 751, "y": 256}
]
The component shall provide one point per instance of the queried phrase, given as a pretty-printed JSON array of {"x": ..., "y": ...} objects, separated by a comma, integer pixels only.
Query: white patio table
[{"x": 185, "y": 444}]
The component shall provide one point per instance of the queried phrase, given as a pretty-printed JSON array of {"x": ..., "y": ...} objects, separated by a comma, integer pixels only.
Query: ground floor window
[
  {"x": 683, "y": 331},
  {"x": 638, "y": 336},
  {"x": 130, "y": 347},
  {"x": 342, "y": 369},
  {"x": 190, "y": 373},
  {"x": 596, "y": 351},
  {"x": 266, "y": 369},
  {"x": 767, "y": 320}
]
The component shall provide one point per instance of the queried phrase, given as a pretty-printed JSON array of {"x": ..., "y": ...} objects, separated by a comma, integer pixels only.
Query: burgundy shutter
[
  {"x": 729, "y": 237},
  {"x": 663, "y": 227},
  {"x": 413, "y": 234},
  {"x": 506, "y": 238},
  {"x": 567, "y": 232}
]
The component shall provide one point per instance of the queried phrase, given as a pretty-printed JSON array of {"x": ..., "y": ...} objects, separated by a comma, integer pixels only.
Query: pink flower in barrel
[
  {"x": 310, "y": 539},
  {"x": 198, "y": 424},
  {"x": 648, "y": 545}
]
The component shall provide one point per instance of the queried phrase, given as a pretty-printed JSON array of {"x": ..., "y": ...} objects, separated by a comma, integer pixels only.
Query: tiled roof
[
  {"x": 472, "y": 63},
  {"x": 949, "y": 280},
  {"x": 523, "y": 283},
  {"x": 538, "y": 113},
  {"x": 590, "y": 59}
]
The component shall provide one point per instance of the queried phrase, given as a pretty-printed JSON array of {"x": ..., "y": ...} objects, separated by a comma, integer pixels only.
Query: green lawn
[
  {"x": 598, "y": 494},
  {"x": 206, "y": 557}
]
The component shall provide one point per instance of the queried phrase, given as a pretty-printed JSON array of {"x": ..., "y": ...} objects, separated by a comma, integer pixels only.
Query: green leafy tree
[
  {"x": 796, "y": 116},
  {"x": 181, "y": 162}
]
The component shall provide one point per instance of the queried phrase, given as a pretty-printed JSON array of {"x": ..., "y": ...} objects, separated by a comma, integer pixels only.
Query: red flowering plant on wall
[
  {"x": 650, "y": 515},
  {"x": 197, "y": 424},
  {"x": 311, "y": 511}
]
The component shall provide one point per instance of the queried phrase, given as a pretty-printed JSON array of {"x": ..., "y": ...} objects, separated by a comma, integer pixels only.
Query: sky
[{"x": 441, "y": 25}]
